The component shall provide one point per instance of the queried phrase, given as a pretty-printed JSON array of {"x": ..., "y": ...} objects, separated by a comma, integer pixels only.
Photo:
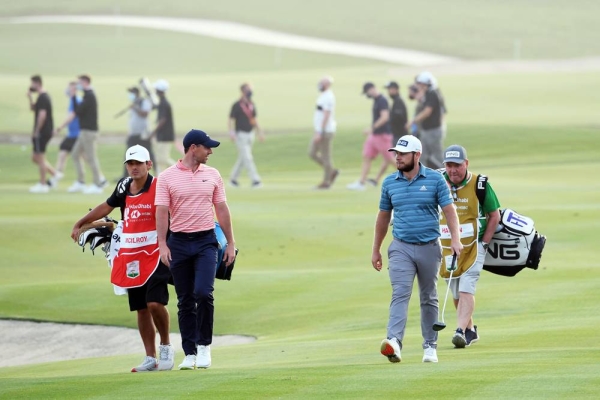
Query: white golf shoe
[
  {"x": 189, "y": 362},
  {"x": 203, "y": 359},
  {"x": 93, "y": 189},
  {"x": 148, "y": 364},
  {"x": 356, "y": 186},
  {"x": 39, "y": 188},
  {"x": 76, "y": 187},
  {"x": 391, "y": 349},
  {"x": 166, "y": 357},
  {"x": 430, "y": 355},
  {"x": 56, "y": 178}
]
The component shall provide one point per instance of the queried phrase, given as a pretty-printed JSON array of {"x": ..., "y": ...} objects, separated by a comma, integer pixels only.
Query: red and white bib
[{"x": 138, "y": 255}]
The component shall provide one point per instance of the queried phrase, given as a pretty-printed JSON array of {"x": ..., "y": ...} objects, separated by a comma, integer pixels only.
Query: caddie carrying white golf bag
[{"x": 515, "y": 245}]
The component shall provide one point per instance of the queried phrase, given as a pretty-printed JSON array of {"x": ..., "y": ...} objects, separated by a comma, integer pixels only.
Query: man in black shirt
[
  {"x": 430, "y": 121},
  {"x": 149, "y": 295},
  {"x": 42, "y": 133},
  {"x": 243, "y": 118},
  {"x": 85, "y": 146},
  {"x": 164, "y": 133},
  {"x": 398, "y": 114},
  {"x": 379, "y": 139}
]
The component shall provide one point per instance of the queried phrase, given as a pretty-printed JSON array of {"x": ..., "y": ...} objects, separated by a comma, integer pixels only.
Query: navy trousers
[{"x": 193, "y": 265}]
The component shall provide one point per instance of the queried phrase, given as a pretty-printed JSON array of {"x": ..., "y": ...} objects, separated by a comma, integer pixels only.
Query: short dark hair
[
  {"x": 37, "y": 79},
  {"x": 185, "y": 149},
  {"x": 244, "y": 86},
  {"x": 85, "y": 78}
]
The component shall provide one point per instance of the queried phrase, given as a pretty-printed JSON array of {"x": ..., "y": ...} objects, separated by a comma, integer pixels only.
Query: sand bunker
[{"x": 59, "y": 342}]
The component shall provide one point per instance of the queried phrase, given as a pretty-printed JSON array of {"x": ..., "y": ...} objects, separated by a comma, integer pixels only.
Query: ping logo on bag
[{"x": 504, "y": 251}]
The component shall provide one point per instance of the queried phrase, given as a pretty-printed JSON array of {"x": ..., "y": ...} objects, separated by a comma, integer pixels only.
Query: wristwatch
[{"x": 485, "y": 245}]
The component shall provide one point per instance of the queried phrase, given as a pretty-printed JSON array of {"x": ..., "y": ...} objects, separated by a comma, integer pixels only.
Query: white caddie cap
[
  {"x": 137, "y": 153},
  {"x": 161, "y": 85},
  {"x": 408, "y": 144}
]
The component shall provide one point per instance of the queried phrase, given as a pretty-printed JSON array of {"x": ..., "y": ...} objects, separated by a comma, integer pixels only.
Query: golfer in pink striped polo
[{"x": 191, "y": 194}]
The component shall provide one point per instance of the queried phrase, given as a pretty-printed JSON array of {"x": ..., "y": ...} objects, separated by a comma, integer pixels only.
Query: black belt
[
  {"x": 192, "y": 235},
  {"x": 419, "y": 243}
]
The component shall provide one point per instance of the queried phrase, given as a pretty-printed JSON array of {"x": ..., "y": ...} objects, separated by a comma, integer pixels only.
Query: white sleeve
[
  {"x": 325, "y": 102},
  {"x": 146, "y": 105}
]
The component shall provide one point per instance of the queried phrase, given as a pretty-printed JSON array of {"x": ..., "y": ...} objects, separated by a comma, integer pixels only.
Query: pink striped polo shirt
[{"x": 190, "y": 196}]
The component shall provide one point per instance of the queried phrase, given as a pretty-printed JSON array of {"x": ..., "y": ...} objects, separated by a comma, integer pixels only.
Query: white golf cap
[
  {"x": 408, "y": 144},
  {"x": 426, "y": 78},
  {"x": 161, "y": 85},
  {"x": 137, "y": 153}
]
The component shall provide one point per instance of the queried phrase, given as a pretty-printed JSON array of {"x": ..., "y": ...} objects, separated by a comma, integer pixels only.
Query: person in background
[
  {"x": 242, "y": 126},
  {"x": 42, "y": 133},
  {"x": 415, "y": 95},
  {"x": 398, "y": 114},
  {"x": 139, "y": 112},
  {"x": 430, "y": 121},
  {"x": 379, "y": 139},
  {"x": 67, "y": 144},
  {"x": 164, "y": 132},
  {"x": 324, "y": 125},
  {"x": 85, "y": 146}
]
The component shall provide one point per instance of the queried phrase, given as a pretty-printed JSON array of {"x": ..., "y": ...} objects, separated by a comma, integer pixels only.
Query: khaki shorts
[{"x": 466, "y": 282}]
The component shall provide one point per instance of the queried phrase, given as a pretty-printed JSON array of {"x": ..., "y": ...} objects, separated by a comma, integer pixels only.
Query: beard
[{"x": 409, "y": 166}]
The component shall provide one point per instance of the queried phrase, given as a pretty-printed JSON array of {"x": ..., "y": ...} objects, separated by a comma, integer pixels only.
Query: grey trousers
[
  {"x": 405, "y": 262},
  {"x": 321, "y": 154},
  {"x": 433, "y": 147},
  {"x": 244, "y": 142},
  {"x": 85, "y": 149}
]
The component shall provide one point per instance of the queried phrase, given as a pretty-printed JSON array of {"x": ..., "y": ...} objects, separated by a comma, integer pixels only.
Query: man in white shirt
[{"x": 324, "y": 125}]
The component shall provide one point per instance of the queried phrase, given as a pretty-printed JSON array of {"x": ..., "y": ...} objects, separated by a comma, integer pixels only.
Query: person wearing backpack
[{"x": 478, "y": 213}]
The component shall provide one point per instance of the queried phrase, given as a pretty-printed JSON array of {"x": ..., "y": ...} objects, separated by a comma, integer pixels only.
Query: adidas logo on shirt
[{"x": 423, "y": 188}]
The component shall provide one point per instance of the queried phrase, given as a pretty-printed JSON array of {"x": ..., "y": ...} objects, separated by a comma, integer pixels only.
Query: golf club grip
[{"x": 454, "y": 256}]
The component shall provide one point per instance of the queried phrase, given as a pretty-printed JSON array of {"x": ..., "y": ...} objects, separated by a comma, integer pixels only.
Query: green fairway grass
[
  {"x": 462, "y": 28},
  {"x": 304, "y": 286}
]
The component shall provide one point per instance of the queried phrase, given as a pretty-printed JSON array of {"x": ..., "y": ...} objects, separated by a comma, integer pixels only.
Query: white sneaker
[
  {"x": 391, "y": 349},
  {"x": 56, "y": 178},
  {"x": 39, "y": 188},
  {"x": 356, "y": 186},
  {"x": 203, "y": 359},
  {"x": 430, "y": 355},
  {"x": 166, "y": 357},
  {"x": 76, "y": 187},
  {"x": 189, "y": 362},
  {"x": 93, "y": 189},
  {"x": 148, "y": 364}
]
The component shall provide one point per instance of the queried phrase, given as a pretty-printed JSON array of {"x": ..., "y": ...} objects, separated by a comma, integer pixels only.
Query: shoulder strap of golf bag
[{"x": 481, "y": 188}]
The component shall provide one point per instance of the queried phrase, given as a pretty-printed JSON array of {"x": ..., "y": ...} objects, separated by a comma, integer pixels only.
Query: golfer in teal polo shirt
[{"x": 415, "y": 193}]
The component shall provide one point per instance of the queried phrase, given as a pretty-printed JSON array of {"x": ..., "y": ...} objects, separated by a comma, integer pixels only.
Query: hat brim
[
  {"x": 211, "y": 143},
  {"x": 403, "y": 150},
  {"x": 454, "y": 160},
  {"x": 134, "y": 159}
]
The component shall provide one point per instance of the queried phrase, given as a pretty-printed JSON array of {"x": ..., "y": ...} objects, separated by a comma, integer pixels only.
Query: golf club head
[{"x": 438, "y": 326}]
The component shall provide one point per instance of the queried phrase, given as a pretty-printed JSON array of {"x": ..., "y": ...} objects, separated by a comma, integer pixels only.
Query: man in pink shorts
[{"x": 379, "y": 139}]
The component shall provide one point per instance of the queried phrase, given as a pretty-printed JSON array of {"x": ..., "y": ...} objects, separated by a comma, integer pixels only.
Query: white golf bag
[{"x": 515, "y": 245}]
